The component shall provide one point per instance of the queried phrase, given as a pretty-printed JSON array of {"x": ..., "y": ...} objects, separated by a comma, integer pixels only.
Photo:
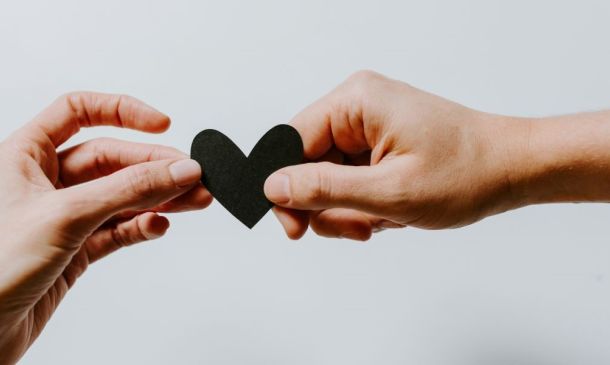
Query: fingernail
[
  {"x": 277, "y": 188},
  {"x": 185, "y": 172}
]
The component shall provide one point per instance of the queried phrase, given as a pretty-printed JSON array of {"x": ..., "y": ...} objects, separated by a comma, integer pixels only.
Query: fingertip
[
  {"x": 295, "y": 223},
  {"x": 153, "y": 121},
  {"x": 164, "y": 123},
  {"x": 153, "y": 225},
  {"x": 161, "y": 223},
  {"x": 202, "y": 197},
  {"x": 160, "y": 123},
  {"x": 313, "y": 125}
]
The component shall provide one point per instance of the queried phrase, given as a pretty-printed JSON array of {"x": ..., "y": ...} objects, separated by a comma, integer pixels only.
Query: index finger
[
  {"x": 337, "y": 119},
  {"x": 70, "y": 112}
]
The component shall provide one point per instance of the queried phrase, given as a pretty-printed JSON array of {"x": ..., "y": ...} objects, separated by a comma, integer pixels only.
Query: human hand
[
  {"x": 387, "y": 155},
  {"x": 61, "y": 211}
]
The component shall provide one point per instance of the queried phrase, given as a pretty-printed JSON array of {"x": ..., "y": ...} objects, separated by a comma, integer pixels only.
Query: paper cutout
[{"x": 237, "y": 181}]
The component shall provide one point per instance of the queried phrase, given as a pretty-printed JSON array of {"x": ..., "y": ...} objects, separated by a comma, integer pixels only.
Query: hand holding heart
[
  {"x": 386, "y": 155},
  {"x": 236, "y": 181},
  {"x": 61, "y": 211}
]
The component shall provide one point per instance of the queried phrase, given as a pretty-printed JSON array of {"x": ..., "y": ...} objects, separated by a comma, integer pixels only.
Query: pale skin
[
  {"x": 382, "y": 154},
  {"x": 61, "y": 210}
]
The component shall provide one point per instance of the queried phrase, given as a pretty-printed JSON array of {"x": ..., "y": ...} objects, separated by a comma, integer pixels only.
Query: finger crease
[
  {"x": 139, "y": 231},
  {"x": 118, "y": 111},
  {"x": 77, "y": 112},
  {"x": 118, "y": 237}
]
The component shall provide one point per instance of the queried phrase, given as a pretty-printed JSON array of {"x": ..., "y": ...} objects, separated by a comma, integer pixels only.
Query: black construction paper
[{"x": 237, "y": 181}]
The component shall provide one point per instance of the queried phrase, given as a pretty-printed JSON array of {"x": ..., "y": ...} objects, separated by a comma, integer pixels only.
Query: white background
[{"x": 527, "y": 287}]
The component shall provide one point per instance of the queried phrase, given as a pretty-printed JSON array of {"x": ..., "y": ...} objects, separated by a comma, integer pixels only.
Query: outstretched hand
[
  {"x": 386, "y": 155},
  {"x": 61, "y": 211}
]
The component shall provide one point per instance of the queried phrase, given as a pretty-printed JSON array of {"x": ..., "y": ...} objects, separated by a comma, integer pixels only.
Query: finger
[
  {"x": 343, "y": 223},
  {"x": 317, "y": 186},
  {"x": 143, "y": 227},
  {"x": 295, "y": 222},
  {"x": 195, "y": 199},
  {"x": 104, "y": 156},
  {"x": 109, "y": 238},
  {"x": 137, "y": 187},
  {"x": 339, "y": 117},
  {"x": 100, "y": 157},
  {"x": 70, "y": 112},
  {"x": 348, "y": 223}
]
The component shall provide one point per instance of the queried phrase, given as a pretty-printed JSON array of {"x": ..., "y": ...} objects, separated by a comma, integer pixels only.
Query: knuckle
[
  {"x": 124, "y": 105},
  {"x": 119, "y": 103},
  {"x": 141, "y": 181},
  {"x": 119, "y": 236},
  {"x": 159, "y": 152},
  {"x": 100, "y": 146},
  {"x": 318, "y": 184},
  {"x": 363, "y": 85},
  {"x": 100, "y": 157},
  {"x": 73, "y": 99},
  {"x": 67, "y": 97},
  {"x": 76, "y": 102},
  {"x": 123, "y": 98},
  {"x": 364, "y": 76},
  {"x": 138, "y": 232},
  {"x": 128, "y": 233},
  {"x": 363, "y": 79}
]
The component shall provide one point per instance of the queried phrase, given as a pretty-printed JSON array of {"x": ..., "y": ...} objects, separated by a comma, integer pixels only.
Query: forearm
[{"x": 561, "y": 159}]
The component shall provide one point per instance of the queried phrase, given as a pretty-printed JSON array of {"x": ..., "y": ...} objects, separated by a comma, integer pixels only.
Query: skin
[
  {"x": 63, "y": 210},
  {"x": 384, "y": 154}
]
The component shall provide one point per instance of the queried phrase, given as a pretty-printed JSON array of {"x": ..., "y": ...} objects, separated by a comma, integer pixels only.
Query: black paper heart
[{"x": 237, "y": 181}]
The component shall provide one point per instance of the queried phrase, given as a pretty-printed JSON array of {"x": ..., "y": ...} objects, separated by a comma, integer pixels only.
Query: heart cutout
[{"x": 237, "y": 181}]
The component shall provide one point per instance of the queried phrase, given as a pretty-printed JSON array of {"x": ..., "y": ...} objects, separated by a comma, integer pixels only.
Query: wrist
[
  {"x": 559, "y": 159},
  {"x": 506, "y": 173}
]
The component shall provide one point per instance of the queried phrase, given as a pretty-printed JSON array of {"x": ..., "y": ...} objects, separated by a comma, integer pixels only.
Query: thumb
[
  {"x": 137, "y": 187},
  {"x": 323, "y": 185}
]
